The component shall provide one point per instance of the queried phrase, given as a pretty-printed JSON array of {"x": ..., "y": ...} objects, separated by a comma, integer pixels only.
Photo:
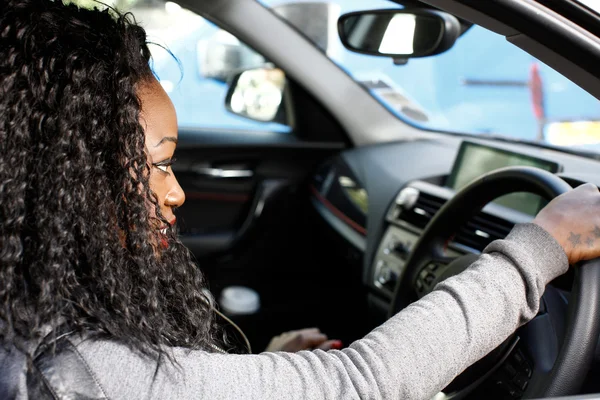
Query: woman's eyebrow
[{"x": 167, "y": 139}]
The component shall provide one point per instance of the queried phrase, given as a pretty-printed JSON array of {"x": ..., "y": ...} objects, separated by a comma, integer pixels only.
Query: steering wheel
[{"x": 560, "y": 341}]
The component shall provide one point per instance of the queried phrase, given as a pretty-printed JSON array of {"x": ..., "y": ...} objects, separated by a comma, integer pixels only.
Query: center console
[
  {"x": 410, "y": 212},
  {"x": 391, "y": 256}
]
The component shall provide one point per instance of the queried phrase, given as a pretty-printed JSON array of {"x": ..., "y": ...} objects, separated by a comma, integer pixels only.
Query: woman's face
[{"x": 159, "y": 121}]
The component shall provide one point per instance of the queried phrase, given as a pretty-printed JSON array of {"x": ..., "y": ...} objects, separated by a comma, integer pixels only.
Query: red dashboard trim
[{"x": 338, "y": 213}]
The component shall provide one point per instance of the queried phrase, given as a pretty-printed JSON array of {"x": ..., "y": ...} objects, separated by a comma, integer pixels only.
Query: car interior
[{"x": 357, "y": 211}]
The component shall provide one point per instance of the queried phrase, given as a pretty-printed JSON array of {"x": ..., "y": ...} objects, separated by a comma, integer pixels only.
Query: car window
[
  {"x": 483, "y": 85},
  {"x": 193, "y": 60}
]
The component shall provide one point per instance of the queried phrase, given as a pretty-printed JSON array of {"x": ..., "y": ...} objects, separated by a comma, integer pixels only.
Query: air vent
[
  {"x": 481, "y": 230},
  {"x": 423, "y": 210},
  {"x": 418, "y": 207}
]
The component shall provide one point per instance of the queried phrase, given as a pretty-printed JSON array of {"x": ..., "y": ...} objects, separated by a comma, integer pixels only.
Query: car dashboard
[{"x": 380, "y": 198}]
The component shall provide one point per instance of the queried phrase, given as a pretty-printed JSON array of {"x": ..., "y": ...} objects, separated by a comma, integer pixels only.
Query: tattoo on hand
[
  {"x": 590, "y": 242},
  {"x": 596, "y": 232},
  {"x": 575, "y": 239}
]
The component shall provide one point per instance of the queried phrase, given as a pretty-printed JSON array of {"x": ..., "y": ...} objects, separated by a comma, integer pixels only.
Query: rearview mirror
[
  {"x": 258, "y": 94},
  {"x": 404, "y": 33}
]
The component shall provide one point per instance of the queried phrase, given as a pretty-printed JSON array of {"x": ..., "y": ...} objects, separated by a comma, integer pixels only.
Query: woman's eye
[{"x": 163, "y": 166}]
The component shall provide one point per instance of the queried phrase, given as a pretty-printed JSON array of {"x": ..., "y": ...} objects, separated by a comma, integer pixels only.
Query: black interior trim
[
  {"x": 218, "y": 137},
  {"x": 576, "y": 12}
]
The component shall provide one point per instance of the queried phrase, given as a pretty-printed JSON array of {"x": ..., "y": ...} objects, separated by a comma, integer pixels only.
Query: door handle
[
  {"x": 266, "y": 192},
  {"x": 223, "y": 173}
]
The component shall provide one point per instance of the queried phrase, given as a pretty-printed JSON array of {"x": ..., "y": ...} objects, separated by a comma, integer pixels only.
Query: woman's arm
[{"x": 411, "y": 356}]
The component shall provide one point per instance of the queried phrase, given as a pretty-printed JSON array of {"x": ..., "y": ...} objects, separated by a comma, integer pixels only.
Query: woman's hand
[
  {"x": 573, "y": 219},
  {"x": 303, "y": 339}
]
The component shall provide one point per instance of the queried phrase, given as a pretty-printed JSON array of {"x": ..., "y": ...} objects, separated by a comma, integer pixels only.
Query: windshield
[{"x": 482, "y": 85}]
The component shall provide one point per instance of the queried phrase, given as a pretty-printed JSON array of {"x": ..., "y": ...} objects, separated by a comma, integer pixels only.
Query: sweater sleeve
[{"x": 413, "y": 355}]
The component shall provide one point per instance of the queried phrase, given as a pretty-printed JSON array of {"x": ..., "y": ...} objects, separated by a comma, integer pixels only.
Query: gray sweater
[{"x": 413, "y": 355}]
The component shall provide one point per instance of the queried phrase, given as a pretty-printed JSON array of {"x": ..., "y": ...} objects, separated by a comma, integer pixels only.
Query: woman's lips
[{"x": 172, "y": 222}]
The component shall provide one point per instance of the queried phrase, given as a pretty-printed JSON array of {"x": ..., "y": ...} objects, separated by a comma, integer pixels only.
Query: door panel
[
  {"x": 229, "y": 186},
  {"x": 212, "y": 204}
]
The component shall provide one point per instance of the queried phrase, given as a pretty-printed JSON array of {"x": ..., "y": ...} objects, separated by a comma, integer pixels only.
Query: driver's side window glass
[{"x": 195, "y": 62}]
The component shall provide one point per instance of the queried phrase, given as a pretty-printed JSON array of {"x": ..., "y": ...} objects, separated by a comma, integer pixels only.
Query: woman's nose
[{"x": 176, "y": 196}]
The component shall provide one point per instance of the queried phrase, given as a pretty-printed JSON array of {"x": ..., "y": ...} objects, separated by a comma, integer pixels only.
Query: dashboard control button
[
  {"x": 385, "y": 275},
  {"x": 391, "y": 246},
  {"x": 429, "y": 278},
  {"x": 518, "y": 357},
  {"x": 527, "y": 370},
  {"x": 383, "y": 279},
  {"x": 407, "y": 197},
  {"x": 521, "y": 381},
  {"x": 432, "y": 267},
  {"x": 402, "y": 249},
  {"x": 504, "y": 387},
  {"x": 419, "y": 285},
  {"x": 510, "y": 370}
]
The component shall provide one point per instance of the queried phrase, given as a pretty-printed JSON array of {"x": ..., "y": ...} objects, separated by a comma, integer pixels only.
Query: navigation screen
[{"x": 474, "y": 160}]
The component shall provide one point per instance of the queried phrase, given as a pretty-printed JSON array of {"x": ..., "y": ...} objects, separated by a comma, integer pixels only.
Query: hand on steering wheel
[{"x": 581, "y": 242}]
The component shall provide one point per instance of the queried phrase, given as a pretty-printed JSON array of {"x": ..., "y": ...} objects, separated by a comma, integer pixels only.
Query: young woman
[{"x": 99, "y": 299}]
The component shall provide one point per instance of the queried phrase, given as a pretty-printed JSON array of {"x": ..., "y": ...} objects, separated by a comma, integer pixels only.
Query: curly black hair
[{"x": 78, "y": 241}]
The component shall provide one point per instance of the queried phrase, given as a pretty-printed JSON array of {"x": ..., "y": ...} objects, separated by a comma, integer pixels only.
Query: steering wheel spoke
[{"x": 430, "y": 274}]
